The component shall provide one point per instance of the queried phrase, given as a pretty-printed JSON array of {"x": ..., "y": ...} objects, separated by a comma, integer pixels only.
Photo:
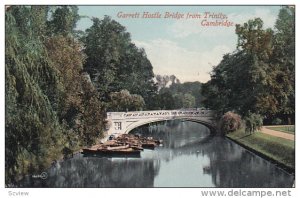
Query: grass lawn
[
  {"x": 285, "y": 129},
  {"x": 276, "y": 148}
]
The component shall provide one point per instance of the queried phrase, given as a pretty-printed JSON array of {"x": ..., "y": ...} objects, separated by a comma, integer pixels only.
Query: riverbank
[{"x": 278, "y": 150}]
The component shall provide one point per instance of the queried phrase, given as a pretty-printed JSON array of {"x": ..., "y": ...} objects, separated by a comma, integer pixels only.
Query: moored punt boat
[
  {"x": 121, "y": 151},
  {"x": 148, "y": 145},
  {"x": 144, "y": 142},
  {"x": 124, "y": 145},
  {"x": 137, "y": 147}
]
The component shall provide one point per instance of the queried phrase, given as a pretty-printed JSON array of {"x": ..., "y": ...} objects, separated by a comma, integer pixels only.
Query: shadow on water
[
  {"x": 113, "y": 155},
  {"x": 189, "y": 157}
]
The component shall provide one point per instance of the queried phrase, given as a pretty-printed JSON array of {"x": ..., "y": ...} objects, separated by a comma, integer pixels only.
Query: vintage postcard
[{"x": 136, "y": 96}]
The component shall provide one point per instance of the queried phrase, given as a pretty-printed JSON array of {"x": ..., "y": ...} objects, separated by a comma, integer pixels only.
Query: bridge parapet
[{"x": 160, "y": 113}]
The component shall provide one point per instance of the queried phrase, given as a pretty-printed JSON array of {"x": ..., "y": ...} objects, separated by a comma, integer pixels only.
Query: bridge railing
[{"x": 160, "y": 113}]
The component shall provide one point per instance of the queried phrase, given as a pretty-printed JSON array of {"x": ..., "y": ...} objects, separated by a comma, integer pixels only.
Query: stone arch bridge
[{"x": 124, "y": 122}]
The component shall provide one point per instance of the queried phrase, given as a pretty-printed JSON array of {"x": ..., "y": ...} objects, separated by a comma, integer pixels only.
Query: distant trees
[
  {"x": 190, "y": 90},
  {"x": 163, "y": 81},
  {"x": 165, "y": 100},
  {"x": 181, "y": 100},
  {"x": 260, "y": 76},
  {"x": 175, "y": 95},
  {"x": 124, "y": 101}
]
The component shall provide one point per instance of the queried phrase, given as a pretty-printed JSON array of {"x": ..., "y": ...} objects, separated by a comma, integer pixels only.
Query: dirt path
[{"x": 278, "y": 133}]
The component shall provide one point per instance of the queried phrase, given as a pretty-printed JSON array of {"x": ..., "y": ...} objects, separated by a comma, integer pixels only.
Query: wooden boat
[
  {"x": 112, "y": 152},
  {"x": 148, "y": 145},
  {"x": 109, "y": 149},
  {"x": 123, "y": 145},
  {"x": 144, "y": 142},
  {"x": 137, "y": 147}
]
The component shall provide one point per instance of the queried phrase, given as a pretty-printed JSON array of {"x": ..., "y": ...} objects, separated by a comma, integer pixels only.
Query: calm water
[{"x": 189, "y": 157}]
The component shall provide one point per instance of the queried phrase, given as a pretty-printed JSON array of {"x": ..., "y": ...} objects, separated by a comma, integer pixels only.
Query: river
[{"x": 189, "y": 157}]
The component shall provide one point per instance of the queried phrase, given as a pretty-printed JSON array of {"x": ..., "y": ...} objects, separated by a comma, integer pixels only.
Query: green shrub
[
  {"x": 253, "y": 122},
  {"x": 277, "y": 121},
  {"x": 230, "y": 122}
]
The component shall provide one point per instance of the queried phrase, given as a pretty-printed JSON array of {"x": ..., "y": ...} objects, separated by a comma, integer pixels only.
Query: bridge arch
[{"x": 135, "y": 125}]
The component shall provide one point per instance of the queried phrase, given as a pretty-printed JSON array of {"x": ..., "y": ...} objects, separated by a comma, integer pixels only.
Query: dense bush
[
  {"x": 253, "y": 122},
  {"x": 230, "y": 122},
  {"x": 277, "y": 121}
]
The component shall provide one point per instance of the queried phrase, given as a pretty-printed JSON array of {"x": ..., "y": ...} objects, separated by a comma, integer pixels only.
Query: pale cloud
[
  {"x": 266, "y": 15},
  {"x": 168, "y": 58},
  {"x": 184, "y": 28}
]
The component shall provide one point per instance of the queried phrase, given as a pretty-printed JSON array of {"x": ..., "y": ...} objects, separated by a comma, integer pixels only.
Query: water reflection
[
  {"x": 99, "y": 172},
  {"x": 190, "y": 157}
]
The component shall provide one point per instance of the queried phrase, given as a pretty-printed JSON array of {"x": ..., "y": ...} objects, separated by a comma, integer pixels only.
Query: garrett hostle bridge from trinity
[{"x": 124, "y": 122}]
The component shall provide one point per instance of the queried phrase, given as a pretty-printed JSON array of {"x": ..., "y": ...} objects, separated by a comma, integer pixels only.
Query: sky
[{"x": 185, "y": 46}]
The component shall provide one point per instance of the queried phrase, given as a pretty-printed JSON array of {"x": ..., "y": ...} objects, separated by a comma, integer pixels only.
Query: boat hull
[{"x": 112, "y": 153}]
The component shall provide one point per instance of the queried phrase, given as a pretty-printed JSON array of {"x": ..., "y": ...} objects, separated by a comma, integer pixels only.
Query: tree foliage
[
  {"x": 59, "y": 82},
  {"x": 260, "y": 75},
  {"x": 163, "y": 81},
  {"x": 50, "y": 105},
  {"x": 176, "y": 95},
  {"x": 253, "y": 122},
  {"x": 124, "y": 101},
  {"x": 31, "y": 125},
  {"x": 115, "y": 63}
]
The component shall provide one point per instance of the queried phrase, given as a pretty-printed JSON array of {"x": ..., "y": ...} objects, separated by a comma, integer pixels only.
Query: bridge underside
[
  {"x": 136, "y": 124},
  {"x": 125, "y": 126}
]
